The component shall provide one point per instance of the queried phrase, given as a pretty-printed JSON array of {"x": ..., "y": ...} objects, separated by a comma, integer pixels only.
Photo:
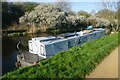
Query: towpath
[{"x": 108, "y": 68}]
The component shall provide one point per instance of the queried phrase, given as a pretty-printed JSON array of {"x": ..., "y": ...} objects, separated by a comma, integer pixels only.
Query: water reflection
[
  {"x": 8, "y": 54},
  {"x": 9, "y": 50}
]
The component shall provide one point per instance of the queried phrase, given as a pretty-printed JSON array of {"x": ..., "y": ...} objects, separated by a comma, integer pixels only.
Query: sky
[
  {"x": 65, "y": 0},
  {"x": 76, "y": 5},
  {"x": 85, "y": 6}
]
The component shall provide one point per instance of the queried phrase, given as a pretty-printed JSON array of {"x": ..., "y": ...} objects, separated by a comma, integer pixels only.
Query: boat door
[{"x": 42, "y": 50}]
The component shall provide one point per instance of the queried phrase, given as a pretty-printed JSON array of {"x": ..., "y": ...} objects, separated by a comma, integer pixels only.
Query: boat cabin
[{"x": 48, "y": 46}]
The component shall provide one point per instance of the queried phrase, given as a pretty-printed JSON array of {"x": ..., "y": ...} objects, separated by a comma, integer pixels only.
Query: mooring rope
[
  {"x": 18, "y": 45},
  {"x": 20, "y": 53}
]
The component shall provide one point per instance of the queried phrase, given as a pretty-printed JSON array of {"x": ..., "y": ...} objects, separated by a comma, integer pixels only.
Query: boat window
[
  {"x": 79, "y": 41},
  {"x": 69, "y": 44},
  {"x": 31, "y": 46}
]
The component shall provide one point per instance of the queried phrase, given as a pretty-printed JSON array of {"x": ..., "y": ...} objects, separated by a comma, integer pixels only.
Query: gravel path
[{"x": 108, "y": 68}]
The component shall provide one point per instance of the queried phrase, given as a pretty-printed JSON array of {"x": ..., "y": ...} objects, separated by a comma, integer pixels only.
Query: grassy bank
[{"x": 74, "y": 63}]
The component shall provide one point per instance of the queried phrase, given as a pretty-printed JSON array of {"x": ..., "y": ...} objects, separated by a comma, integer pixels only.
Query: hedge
[{"x": 77, "y": 62}]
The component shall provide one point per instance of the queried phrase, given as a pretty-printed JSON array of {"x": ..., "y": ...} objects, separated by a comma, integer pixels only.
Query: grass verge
[{"x": 77, "y": 62}]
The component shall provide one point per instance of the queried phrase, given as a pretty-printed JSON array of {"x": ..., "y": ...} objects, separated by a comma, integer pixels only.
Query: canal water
[{"x": 9, "y": 50}]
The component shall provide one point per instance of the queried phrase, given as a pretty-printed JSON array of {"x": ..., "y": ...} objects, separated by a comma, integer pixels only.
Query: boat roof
[
  {"x": 53, "y": 39},
  {"x": 43, "y": 38}
]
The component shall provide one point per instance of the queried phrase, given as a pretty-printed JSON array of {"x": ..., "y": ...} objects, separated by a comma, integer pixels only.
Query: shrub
[
  {"x": 101, "y": 22},
  {"x": 52, "y": 16}
]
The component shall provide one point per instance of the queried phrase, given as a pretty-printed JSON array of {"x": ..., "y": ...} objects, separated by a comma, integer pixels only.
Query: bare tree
[
  {"x": 64, "y": 4},
  {"x": 112, "y": 5},
  {"x": 93, "y": 12}
]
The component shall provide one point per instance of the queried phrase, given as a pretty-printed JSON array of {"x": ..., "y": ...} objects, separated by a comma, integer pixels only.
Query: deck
[{"x": 27, "y": 58}]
